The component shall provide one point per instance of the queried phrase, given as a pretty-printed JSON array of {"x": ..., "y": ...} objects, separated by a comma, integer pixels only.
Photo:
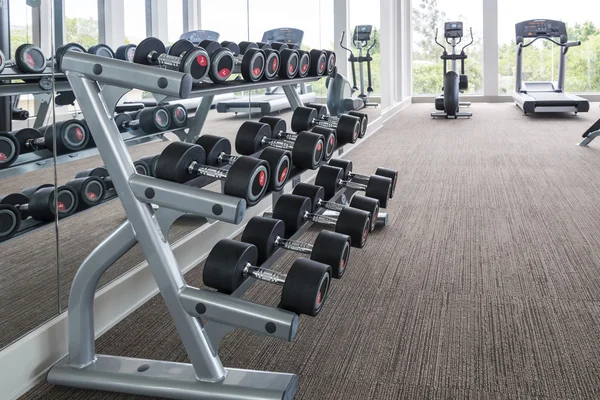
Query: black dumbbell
[
  {"x": 305, "y": 286},
  {"x": 194, "y": 60},
  {"x": 72, "y": 136},
  {"x": 90, "y": 191},
  {"x": 125, "y": 52},
  {"x": 331, "y": 60},
  {"x": 316, "y": 194},
  {"x": 10, "y": 221},
  {"x": 307, "y": 150},
  {"x": 267, "y": 234},
  {"x": 295, "y": 210},
  {"x": 272, "y": 60},
  {"x": 141, "y": 167},
  {"x": 28, "y": 59},
  {"x": 248, "y": 59},
  {"x": 102, "y": 50},
  {"x": 149, "y": 164},
  {"x": 61, "y": 50},
  {"x": 218, "y": 153},
  {"x": 38, "y": 202},
  {"x": 318, "y": 62},
  {"x": 178, "y": 114},
  {"x": 149, "y": 120},
  {"x": 289, "y": 59},
  {"x": 347, "y": 128},
  {"x": 19, "y": 114},
  {"x": 348, "y": 174},
  {"x": 9, "y": 149},
  {"x": 247, "y": 178},
  {"x": 332, "y": 180},
  {"x": 323, "y": 114},
  {"x": 305, "y": 63},
  {"x": 279, "y": 129}
]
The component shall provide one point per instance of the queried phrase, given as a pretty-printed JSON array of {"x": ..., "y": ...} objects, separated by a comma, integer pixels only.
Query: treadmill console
[
  {"x": 197, "y": 36},
  {"x": 362, "y": 33},
  {"x": 284, "y": 35},
  {"x": 541, "y": 28},
  {"x": 453, "y": 30}
]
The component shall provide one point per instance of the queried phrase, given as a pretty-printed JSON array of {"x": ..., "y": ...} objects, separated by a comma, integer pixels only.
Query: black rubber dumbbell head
[
  {"x": 30, "y": 59},
  {"x": 272, "y": 64},
  {"x": 222, "y": 63},
  {"x": 249, "y": 137},
  {"x": 9, "y": 149},
  {"x": 174, "y": 162},
  {"x": 17, "y": 199},
  {"x": 253, "y": 65},
  {"x": 318, "y": 62},
  {"x": 2, "y": 62},
  {"x": 379, "y": 187},
  {"x": 145, "y": 48},
  {"x": 367, "y": 204},
  {"x": 224, "y": 266},
  {"x": 306, "y": 287},
  {"x": 42, "y": 203},
  {"x": 100, "y": 172},
  {"x": 354, "y": 223},
  {"x": 303, "y": 63},
  {"x": 178, "y": 114},
  {"x": 321, "y": 108},
  {"x": 290, "y": 63},
  {"x": 61, "y": 50},
  {"x": 389, "y": 173},
  {"x": 10, "y": 221},
  {"x": 195, "y": 62},
  {"x": 303, "y": 119},
  {"x": 90, "y": 191},
  {"x": 308, "y": 150},
  {"x": 346, "y": 165},
  {"x": 214, "y": 146},
  {"x": 125, "y": 52},
  {"x": 291, "y": 209},
  {"x": 280, "y": 163},
  {"x": 180, "y": 47},
  {"x": 330, "y": 179},
  {"x": 102, "y": 50},
  {"x": 330, "y": 140},
  {"x": 333, "y": 249},
  {"x": 24, "y": 135},
  {"x": 279, "y": 46},
  {"x": 331, "y": 60},
  {"x": 232, "y": 46},
  {"x": 348, "y": 129},
  {"x": 364, "y": 122},
  {"x": 121, "y": 119},
  {"x": 29, "y": 191},
  {"x": 313, "y": 192},
  {"x": 150, "y": 163},
  {"x": 278, "y": 125},
  {"x": 263, "y": 232},
  {"x": 154, "y": 120},
  {"x": 248, "y": 178},
  {"x": 245, "y": 46}
]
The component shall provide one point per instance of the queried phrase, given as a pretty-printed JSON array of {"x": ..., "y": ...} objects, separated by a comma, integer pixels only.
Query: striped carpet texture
[{"x": 486, "y": 284}]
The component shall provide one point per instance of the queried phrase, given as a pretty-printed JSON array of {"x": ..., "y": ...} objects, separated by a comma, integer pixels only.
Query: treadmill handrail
[{"x": 568, "y": 44}]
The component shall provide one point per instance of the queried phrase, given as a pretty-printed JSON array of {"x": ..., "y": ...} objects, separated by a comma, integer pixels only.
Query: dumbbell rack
[{"x": 98, "y": 84}]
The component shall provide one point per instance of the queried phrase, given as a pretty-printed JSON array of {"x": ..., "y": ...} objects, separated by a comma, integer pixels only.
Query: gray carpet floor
[{"x": 486, "y": 284}]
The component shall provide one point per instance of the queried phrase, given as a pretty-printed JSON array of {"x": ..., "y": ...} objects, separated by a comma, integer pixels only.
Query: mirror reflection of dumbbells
[
  {"x": 316, "y": 194},
  {"x": 268, "y": 235},
  {"x": 347, "y": 128},
  {"x": 152, "y": 120},
  {"x": 193, "y": 60},
  {"x": 296, "y": 210},
  {"x": 218, "y": 153},
  {"x": 72, "y": 137},
  {"x": 347, "y": 166},
  {"x": 29, "y": 59},
  {"x": 307, "y": 150},
  {"x": 247, "y": 178},
  {"x": 143, "y": 166},
  {"x": 37, "y": 202},
  {"x": 90, "y": 191},
  {"x": 272, "y": 60},
  {"x": 247, "y": 59},
  {"x": 305, "y": 286},
  {"x": 125, "y": 52},
  {"x": 323, "y": 114},
  {"x": 279, "y": 130}
]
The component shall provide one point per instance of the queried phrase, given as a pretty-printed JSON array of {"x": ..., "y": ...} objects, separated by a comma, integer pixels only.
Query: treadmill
[
  {"x": 539, "y": 97},
  {"x": 274, "y": 99}
]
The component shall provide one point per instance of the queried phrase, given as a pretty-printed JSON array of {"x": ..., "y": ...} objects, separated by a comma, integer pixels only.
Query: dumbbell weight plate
[
  {"x": 331, "y": 60},
  {"x": 313, "y": 192},
  {"x": 30, "y": 59},
  {"x": 280, "y": 162},
  {"x": 221, "y": 65},
  {"x": 125, "y": 52},
  {"x": 346, "y": 165},
  {"x": 232, "y": 46},
  {"x": 154, "y": 120},
  {"x": 321, "y": 108},
  {"x": 367, "y": 204},
  {"x": 262, "y": 233},
  {"x": 291, "y": 210},
  {"x": 308, "y": 150},
  {"x": 389, "y": 173},
  {"x": 90, "y": 191},
  {"x": 196, "y": 63},
  {"x": 179, "y": 116},
  {"x": 145, "y": 47},
  {"x": 306, "y": 287},
  {"x": 379, "y": 187},
  {"x": 9, "y": 149},
  {"x": 318, "y": 63},
  {"x": 248, "y": 178},
  {"x": 272, "y": 64},
  {"x": 174, "y": 161},
  {"x": 354, "y": 223},
  {"x": 364, "y": 122},
  {"x": 303, "y": 64},
  {"x": 330, "y": 140},
  {"x": 179, "y": 47},
  {"x": 303, "y": 119},
  {"x": 100, "y": 172},
  {"x": 333, "y": 249},
  {"x": 249, "y": 137},
  {"x": 348, "y": 129},
  {"x": 60, "y": 52},
  {"x": 10, "y": 221},
  {"x": 17, "y": 199},
  {"x": 278, "y": 125},
  {"x": 102, "y": 50},
  {"x": 141, "y": 168},
  {"x": 214, "y": 146},
  {"x": 253, "y": 65},
  {"x": 150, "y": 163},
  {"x": 290, "y": 62},
  {"x": 2, "y": 62},
  {"x": 42, "y": 205},
  {"x": 24, "y": 135},
  {"x": 329, "y": 178},
  {"x": 224, "y": 266},
  {"x": 121, "y": 119},
  {"x": 28, "y": 192},
  {"x": 72, "y": 136}
]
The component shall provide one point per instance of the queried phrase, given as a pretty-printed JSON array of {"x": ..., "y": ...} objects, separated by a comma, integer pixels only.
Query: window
[
  {"x": 429, "y": 15},
  {"x": 540, "y": 61},
  {"x": 135, "y": 32},
  {"x": 20, "y": 25},
  {"x": 231, "y": 25},
  {"x": 175, "y": 20},
  {"x": 81, "y": 22},
  {"x": 366, "y": 13}
]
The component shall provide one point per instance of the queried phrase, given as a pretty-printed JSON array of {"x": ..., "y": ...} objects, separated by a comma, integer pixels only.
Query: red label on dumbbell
[
  {"x": 322, "y": 67},
  {"x": 319, "y": 298},
  {"x": 130, "y": 54},
  {"x": 3, "y": 157},
  {"x": 202, "y": 61},
  {"x": 304, "y": 68},
  {"x": 61, "y": 206},
  {"x": 91, "y": 196},
  {"x": 225, "y": 72},
  {"x": 331, "y": 140},
  {"x": 365, "y": 233},
  {"x": 283, "y": 174},
  {"x": 275, "y": 64},
  {"x": 29, "y": 60},
  {"x": 79, "y": 134},
  {"x": 291, "y": 69},
  {"x": 262, "y": 177},
  {"x": 320, "y": 146},
  {"x": 256, "y": 71},
  {"x": 343, "y": 265}
]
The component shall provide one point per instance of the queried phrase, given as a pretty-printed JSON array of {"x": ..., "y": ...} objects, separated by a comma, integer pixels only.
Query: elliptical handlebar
[
  {"x": 470, "y": 43},
  {"x": 342, "y": 43},
  {"x": 436, "y": 40},
  {"x": 373, "y": 45}
]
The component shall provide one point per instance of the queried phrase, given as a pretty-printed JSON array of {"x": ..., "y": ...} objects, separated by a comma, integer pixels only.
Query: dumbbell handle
[
  {"x": 321, "y": 219},
  {"x": 205, "y": 170},
  {"x": 331, "y": 206},
  {"x": 287, "y": 136},
  {"x": 282, "y": 144},
  {"x": 324, "y": 123},
  {"x": 133, "y": 124},
  {"x": 292, "y": 245},
  {"x": 360, "y": 177},
  {"x": 35, "y": 143},
  {"x": 225, "y": 158},
  {"x": 264, "y": 274},
  {"x": 352, "y": 185},
  {"x": 164, "y": 59}
]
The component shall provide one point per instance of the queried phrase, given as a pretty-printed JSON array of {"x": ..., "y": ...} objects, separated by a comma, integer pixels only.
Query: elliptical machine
[
  {"x": 448, "y": 104},
  {"x": 340, "y": 99}
]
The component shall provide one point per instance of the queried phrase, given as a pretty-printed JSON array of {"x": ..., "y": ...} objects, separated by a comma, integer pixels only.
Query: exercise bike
[
  {"x": 340, "y": 94},
  {"x": 448, "y": 104}
]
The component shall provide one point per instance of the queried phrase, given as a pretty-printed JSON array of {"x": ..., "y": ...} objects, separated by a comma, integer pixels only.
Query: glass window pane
[
  {"x": 20, "y": 25},
  {"x": 81, "y": 22},
  {"x": 231, "y": 25},
  {"x": 135, "y": 32},
  {"x": 429, "y": 15},
  {"x": 366, "y": 13},
  {"x": 175, "y": 20}
]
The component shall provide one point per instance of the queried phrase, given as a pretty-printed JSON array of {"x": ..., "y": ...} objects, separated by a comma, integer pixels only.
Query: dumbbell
[
  {"x": 38, "y": 202},
  {"x": 295, "y": 210},
  {"x": 149, "y": 120},
  {"x": 19, "y": 114},
  {"x": 218, "y": 152},
  {"x": 318, "y": 62},
  {"x": 28, "y": 59},
  {"x": 307, "y": 150},
  {"x": 102, "y": 50},
  {"x": 347, "y": 128},
  {"x": 90, "y": 191},
  {"x": 305, "y": 286},
  {"x": 72, "y": 136},
  {"x": 61, "y": 50},
  {"x": 267, "y": 234},
  {"x": 10, "y": 221},
  {"x": 316, "y": 194},
  {"x": 149, "y": 163},
  {"x": 125, "y": 52},
  {"x": 249, "y": 61},
  {"x": 9, "y": 149},
  {"x": 178, "y": 114},
  {"x": 380, "y": 171},
  {"x": 332, "y": 180},
  {"x": 141, "y": 167},
  {"x": 194, "y": 60},
  {"x": 247, "y": 178},
  {"x": 324, "y": 115},
  {"x": 331, "y": 60},
  {"x": 279, "y": 129},
  {"x": 271, "y": 61},
  {"x": 289, "y": 59}
]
